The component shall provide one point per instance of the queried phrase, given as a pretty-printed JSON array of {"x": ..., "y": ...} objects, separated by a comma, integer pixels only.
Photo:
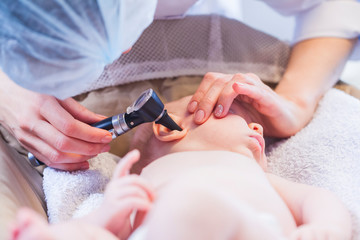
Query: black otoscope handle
[{"x": 104, "y": 124}]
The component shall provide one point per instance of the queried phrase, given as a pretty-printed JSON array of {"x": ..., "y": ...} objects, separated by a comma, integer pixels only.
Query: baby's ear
[{"x": 164, "y": 134}]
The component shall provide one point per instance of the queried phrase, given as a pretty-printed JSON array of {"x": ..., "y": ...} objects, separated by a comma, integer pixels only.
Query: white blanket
[
  {"x": 326, "y": 153},
  {"x": 65, "y": 191}
]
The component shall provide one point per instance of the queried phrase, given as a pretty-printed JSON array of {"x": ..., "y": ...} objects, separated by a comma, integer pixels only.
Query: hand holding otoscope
[{"x": 147, "y": 108}]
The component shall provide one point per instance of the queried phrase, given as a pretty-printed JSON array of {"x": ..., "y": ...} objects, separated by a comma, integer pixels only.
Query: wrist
[{"x": 292, "y": 89}]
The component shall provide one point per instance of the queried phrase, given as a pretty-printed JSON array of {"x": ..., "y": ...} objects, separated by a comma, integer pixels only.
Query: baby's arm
[
  {"x": 124, "y": 194},
  {"x": 319, "y": 214}
]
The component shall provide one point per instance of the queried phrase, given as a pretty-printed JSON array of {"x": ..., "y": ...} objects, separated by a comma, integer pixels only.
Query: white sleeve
[
  {"x": 336, "y": 18},
  {"x": 290, "y": 7},
  {"x": 172, "y": 9},
  {"x": 322, "y": 18}
]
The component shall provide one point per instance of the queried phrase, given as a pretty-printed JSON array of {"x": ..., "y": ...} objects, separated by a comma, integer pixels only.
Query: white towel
[
  {"x": 66, "y": 191},
  {"x": 326, "y": 153}
]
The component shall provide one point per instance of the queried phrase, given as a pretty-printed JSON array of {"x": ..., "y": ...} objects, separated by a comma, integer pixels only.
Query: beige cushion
[{"x": 20, "y": 186}]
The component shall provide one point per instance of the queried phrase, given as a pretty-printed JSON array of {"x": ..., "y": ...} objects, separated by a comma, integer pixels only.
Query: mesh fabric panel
[{"x": 196, "y": 45}]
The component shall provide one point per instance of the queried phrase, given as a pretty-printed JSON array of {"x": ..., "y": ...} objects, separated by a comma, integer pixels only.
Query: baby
[{"x": 208, "y": 182}]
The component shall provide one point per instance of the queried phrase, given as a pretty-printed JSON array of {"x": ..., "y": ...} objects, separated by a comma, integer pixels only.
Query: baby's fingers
[
  {"x": 125, "y": 164},
  {"x": 120, "y": 192},
  {"x": 129, "y": 186},
  {"x": 124, "y": 208},
  {"x": 136, "y": 204},
  {"x": 305, "y": 234}
]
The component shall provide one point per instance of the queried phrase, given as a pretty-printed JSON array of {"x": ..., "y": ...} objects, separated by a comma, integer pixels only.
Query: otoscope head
[{"x": 149, "y": 108}]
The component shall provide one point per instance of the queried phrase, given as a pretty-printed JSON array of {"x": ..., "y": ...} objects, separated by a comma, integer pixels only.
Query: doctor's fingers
[
  {"x": 80, "y": 112},
  {"x": 63, "y": 143},
  {"x": 228, "y": 94},
  {"x": 264, "y": 100},
  {"x": 66, "y": 123},
  {"x": 205, "y": 98},
  {"x": 247, "y": 87},
  {"x": 204, "y": 87},
  {"x": 55, "y": 159}
]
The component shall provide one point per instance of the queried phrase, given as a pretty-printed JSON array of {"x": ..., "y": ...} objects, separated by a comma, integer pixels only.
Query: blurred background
[{"x": 281, "y": 27}]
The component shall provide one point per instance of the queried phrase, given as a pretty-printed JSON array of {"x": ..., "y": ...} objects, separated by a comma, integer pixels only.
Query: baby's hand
[
  {"x": 124, "y": 194},
  {"x": 316, "y": 232}
]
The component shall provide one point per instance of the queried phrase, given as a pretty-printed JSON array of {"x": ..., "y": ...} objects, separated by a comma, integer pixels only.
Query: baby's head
[{"x": 232, "y": 133}]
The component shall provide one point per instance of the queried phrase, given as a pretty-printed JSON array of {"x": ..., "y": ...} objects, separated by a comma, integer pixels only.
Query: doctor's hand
[
  {"x": 279, "y": 115},
  {"x": 55, "y": 131}
]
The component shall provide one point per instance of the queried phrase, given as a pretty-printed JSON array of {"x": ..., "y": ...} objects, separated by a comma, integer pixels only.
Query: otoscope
[{"x": 147, "y": 108}]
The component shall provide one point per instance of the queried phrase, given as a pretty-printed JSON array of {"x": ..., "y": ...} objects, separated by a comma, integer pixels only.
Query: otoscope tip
[{"x": 168, "y": 122}]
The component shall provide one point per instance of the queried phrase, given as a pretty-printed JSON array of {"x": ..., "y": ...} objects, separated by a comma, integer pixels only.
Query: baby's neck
[
  {"x": 184, "y": 159},
  {"x": 167, "y": 167}
]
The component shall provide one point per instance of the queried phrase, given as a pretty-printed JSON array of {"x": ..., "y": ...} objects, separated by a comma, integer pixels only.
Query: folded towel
[
  {"x": 66, "y": 191},
  {"x": 326, "y": 153}
]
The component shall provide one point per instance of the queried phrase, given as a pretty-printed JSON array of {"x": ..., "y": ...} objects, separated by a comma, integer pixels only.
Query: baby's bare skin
[
  {"x": 231, "y": 172},
  {"x": 31, "y": 226}
]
